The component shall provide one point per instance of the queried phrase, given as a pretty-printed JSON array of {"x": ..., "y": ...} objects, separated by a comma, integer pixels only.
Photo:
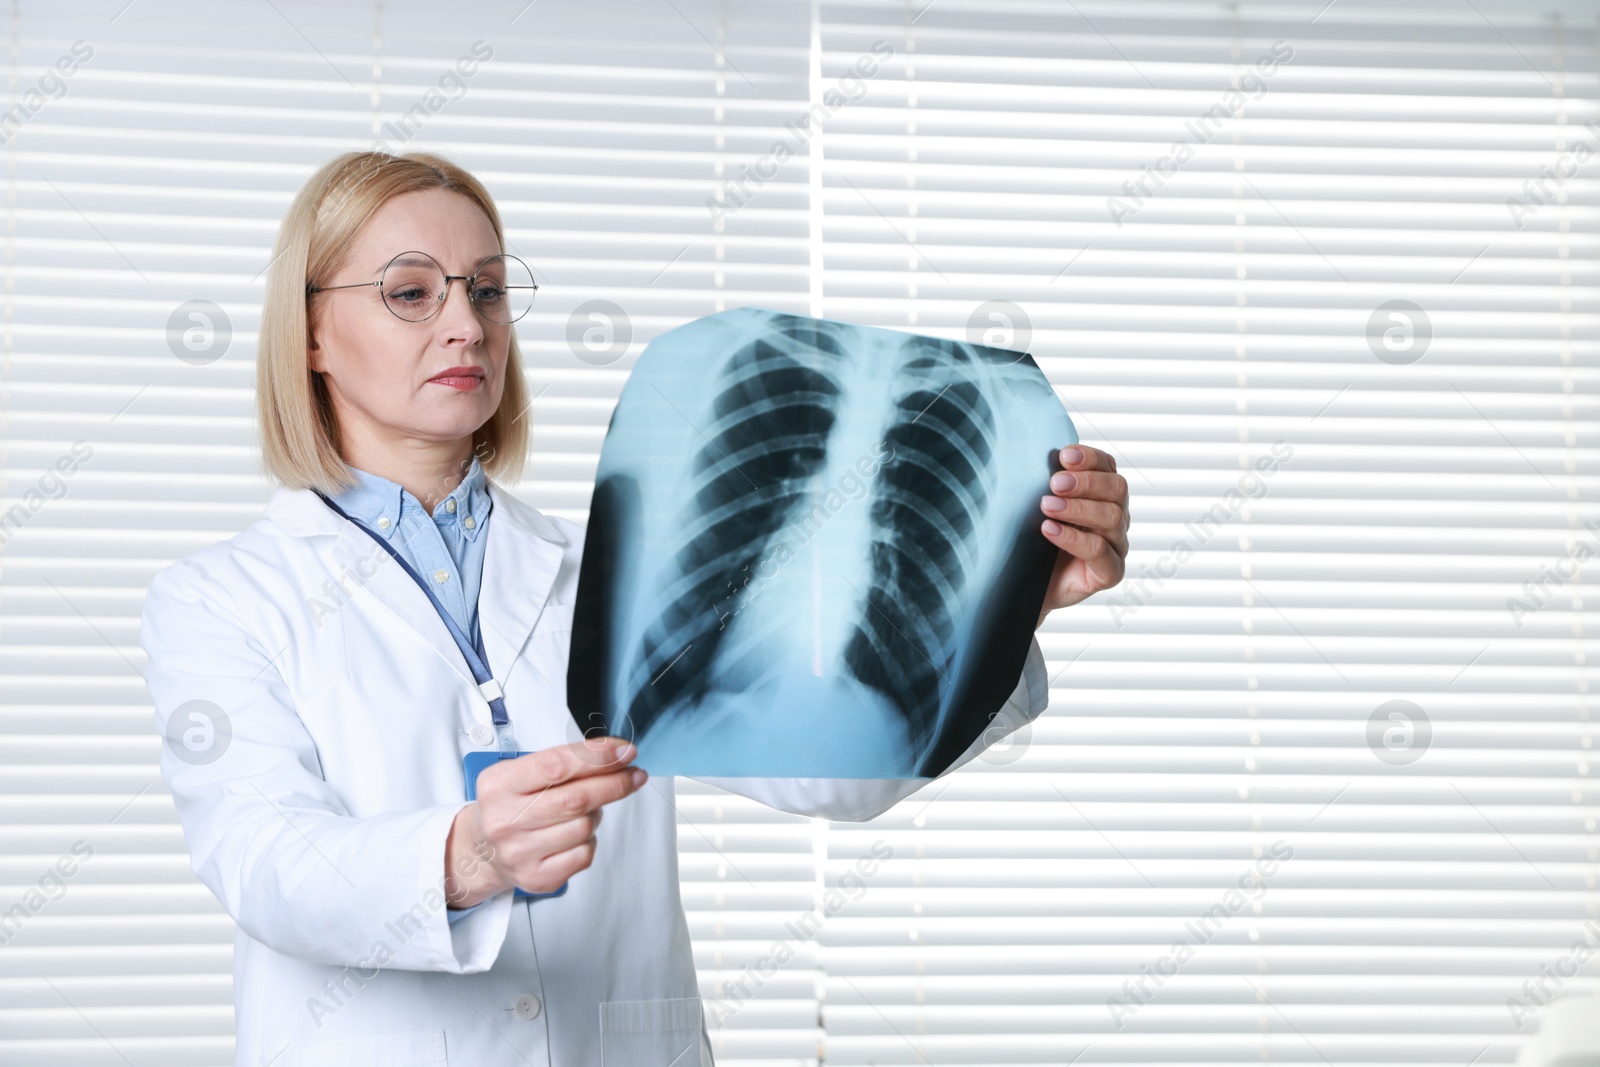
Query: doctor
[{"x": 316, "y": 706}]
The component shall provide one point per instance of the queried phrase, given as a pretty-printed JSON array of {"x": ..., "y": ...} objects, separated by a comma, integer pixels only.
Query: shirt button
[
  {"x": 441, "y": 575},
  {"x": 527, "y": 1007},
  {"x": 470, "y": 523},
  {"x": 480, "y": 734},
  {"x": 450, "y": 505},
  {"x": 383, "y": 523}
]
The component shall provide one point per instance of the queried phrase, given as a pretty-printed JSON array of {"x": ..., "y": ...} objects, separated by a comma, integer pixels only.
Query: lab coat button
[
  {"x": 481, "y": 734},
  {"x": 527, "y": 1007}
]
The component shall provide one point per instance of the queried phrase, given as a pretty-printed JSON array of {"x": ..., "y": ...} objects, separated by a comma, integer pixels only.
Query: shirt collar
[{"x": 381, "y": 504}]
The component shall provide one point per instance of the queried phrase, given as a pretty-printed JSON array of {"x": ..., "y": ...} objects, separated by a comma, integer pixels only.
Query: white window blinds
[
  {"x": 1311, "y": 789},
  {"x": 1321, "y": 277}
]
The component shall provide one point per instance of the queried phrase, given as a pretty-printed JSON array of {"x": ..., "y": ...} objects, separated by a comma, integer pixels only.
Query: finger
[
  {"x": 537, "y": 771},
  {"x": 1097, "y": 485},
  {"x": 533, "y": 783},
  {"x": 1088, "y": 458},
  {"x": 564, "y": 835},
  {"x": 572, "y": 799},
  {"x": 1104, "y": 562},
  {"x": 1096, "y": 514},
  {"x": 1088, "y": 546},
  {"x": 1108, "y": 520},
  {"x": 526, "y": 849},
  {"x": 522, "y": 848},
  {"x": 598, "y": 748},
  {"x": 556, "y": 869}
]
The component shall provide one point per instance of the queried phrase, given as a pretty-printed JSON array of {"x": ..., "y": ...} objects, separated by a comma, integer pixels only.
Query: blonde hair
[{"x": 300, "y": 445}]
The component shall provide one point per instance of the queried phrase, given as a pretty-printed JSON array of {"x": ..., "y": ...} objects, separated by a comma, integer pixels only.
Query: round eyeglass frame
[{"x": 444, "y": 291}]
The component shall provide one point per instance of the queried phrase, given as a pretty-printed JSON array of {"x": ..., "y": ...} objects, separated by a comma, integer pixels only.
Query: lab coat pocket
[
  {"x": 652, "y": 1033},
  {"x": 422, "y": 1048}
]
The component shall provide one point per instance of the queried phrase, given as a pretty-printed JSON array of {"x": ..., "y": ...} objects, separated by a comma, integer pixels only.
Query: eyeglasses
[{"x": 414, "y": 287}]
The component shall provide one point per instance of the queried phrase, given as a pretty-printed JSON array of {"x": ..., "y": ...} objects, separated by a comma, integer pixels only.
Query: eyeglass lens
[{"x": 414, "y": 284}]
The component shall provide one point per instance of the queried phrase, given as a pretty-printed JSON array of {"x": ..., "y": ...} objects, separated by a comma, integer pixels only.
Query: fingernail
[
  {"x": 1053, "y": 503},
  {"x": 1062, "y": 481},
  {"x": 1069, "y": 456},
  {"x": 626, "y": 753},
  {"x": 1052, "y": 528},
  {"x": 638, "y": 777}
]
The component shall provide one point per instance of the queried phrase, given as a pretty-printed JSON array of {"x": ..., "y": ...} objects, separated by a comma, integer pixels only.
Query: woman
[{"x": 317, "y": 706}]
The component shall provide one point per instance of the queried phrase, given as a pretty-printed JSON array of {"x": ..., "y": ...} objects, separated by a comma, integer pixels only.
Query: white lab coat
[{"x": 321, "y": 826}]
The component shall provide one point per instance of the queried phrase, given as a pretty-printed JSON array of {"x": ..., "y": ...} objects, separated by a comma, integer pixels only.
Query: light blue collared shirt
[{"x": 446, "y": 548}]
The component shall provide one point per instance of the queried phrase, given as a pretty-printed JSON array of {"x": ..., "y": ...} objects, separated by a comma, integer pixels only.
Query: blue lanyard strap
[{"x": 475, "y": 656}]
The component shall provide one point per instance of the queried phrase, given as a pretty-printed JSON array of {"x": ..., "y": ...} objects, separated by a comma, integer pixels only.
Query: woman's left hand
[{"x": 1087, "y": 519}]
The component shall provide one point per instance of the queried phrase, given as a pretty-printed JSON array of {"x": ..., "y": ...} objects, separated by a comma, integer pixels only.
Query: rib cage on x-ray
[
  {"x": 813, "y": 549},
  {"x": 929, "y": 499},
  {"x": 775, "y": 407}
]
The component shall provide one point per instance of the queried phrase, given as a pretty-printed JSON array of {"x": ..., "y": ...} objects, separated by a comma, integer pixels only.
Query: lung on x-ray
[{"x": 813, "y": 549}]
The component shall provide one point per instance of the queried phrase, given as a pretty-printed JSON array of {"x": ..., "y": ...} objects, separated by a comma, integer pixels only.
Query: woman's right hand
[{"x": 533, "y": 824}]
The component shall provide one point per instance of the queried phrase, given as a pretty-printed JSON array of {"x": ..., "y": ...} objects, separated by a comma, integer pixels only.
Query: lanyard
[{"x": 475, "y": 656}]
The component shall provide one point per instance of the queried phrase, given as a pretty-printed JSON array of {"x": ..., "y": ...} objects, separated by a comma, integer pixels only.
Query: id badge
[{"x": 471, "y": 764}]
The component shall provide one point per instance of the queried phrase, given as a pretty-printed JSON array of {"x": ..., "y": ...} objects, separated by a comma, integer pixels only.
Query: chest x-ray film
[{"x": 813, "y": 549}]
